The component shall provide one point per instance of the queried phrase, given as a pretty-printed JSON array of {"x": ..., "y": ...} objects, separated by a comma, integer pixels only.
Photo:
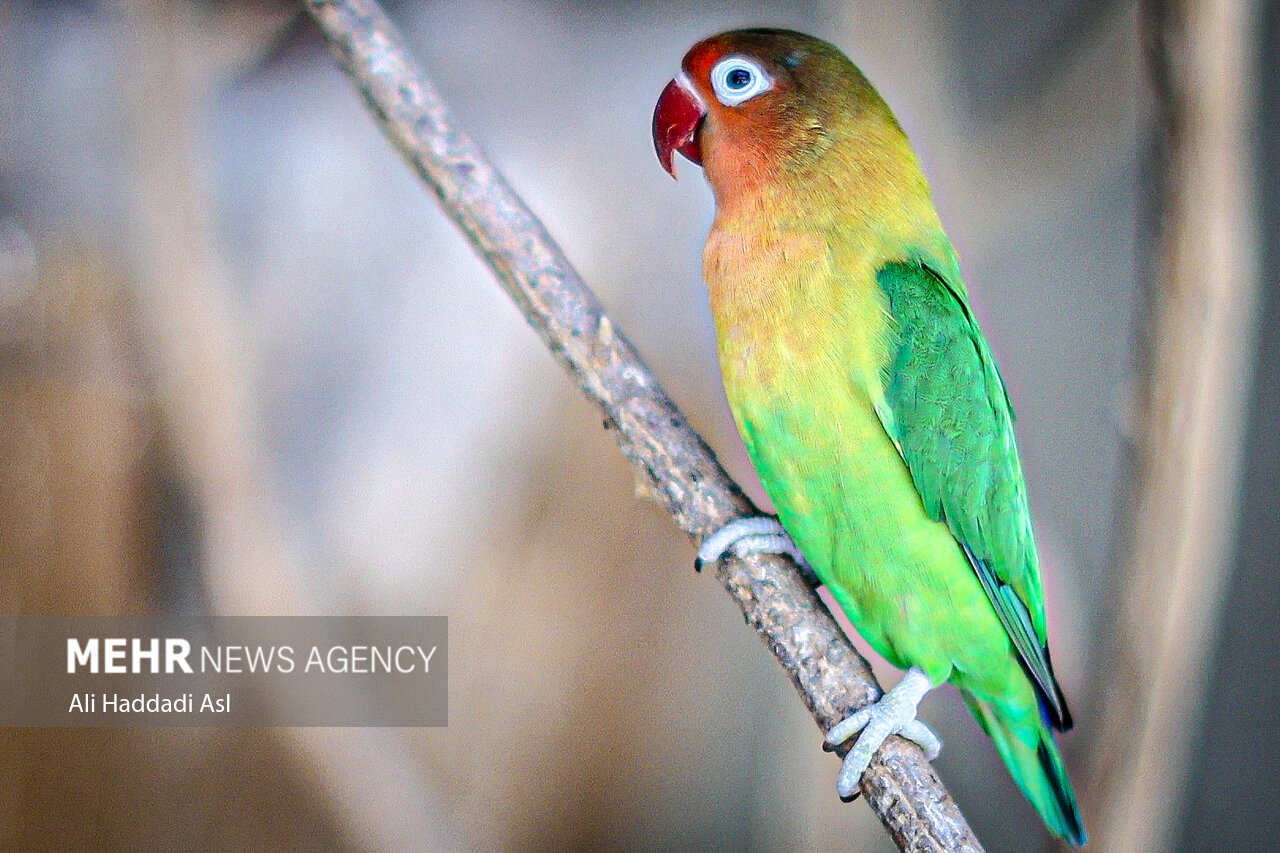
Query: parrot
[{"x": 867, "y": 397}]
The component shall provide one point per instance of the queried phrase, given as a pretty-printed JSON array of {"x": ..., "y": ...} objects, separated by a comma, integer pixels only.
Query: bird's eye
[{"x": 735, "y": 80}]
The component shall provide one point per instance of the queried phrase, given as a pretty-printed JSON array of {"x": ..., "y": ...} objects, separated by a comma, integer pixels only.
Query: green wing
[{"x": 950, "y": 417}]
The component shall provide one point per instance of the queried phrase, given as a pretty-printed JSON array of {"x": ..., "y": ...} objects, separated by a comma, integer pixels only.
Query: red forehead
[{"x": 706, "y": 53}]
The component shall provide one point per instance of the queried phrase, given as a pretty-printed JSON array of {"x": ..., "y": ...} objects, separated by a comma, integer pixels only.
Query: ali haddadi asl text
[{"x": 92, "y": 703}]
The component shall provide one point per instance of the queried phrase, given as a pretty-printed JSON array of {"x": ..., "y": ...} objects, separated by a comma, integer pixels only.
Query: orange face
[{"x": 739, "y": 88}]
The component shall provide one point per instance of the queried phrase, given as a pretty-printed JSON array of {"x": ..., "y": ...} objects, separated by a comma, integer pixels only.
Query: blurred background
[{"x": 246, "y": 366}]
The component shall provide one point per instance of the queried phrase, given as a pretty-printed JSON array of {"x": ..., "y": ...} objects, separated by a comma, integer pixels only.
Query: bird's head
[{"x": 748, "y": 103}]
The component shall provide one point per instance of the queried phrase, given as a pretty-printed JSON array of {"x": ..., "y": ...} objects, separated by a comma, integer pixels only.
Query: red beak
[{"x": 676, "y": 120}]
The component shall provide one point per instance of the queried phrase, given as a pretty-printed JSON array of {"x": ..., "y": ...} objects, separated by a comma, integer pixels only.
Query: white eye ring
[{"x": 735, "y": 80}]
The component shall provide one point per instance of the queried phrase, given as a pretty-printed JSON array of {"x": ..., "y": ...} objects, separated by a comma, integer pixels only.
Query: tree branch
[{"x": 831, "y": 677}]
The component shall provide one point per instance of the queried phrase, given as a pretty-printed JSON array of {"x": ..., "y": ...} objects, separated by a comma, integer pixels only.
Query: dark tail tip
[{"x": 1070, "y": 826}]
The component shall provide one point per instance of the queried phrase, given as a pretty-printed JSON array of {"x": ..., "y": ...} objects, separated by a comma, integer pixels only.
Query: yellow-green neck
[{"x": 791, "y": 259}]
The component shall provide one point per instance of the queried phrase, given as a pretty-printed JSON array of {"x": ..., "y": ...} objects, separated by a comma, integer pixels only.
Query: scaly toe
[
  {"x": 849, "y": 726},
  {"x": 923, "y": 737},
  {"x": 761, "y": 534},
  {"x": 893, "y": 713}
]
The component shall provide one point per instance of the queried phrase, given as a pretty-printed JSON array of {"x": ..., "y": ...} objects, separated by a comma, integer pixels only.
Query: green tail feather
[{"x": 1038, "y": 770}]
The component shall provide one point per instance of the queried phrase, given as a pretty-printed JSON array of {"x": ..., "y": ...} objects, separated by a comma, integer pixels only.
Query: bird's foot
[
  {"x": 893, "y": 714},
  {"x": 757, "y": 534}
]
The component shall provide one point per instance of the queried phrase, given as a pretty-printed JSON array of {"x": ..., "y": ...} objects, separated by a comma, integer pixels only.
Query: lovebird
[{"x": 866, "y": 395}]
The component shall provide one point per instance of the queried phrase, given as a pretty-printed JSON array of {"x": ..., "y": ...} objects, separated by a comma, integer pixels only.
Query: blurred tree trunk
[
  {"x": 1196, "y": 349},
  {"x": 195, "y": 336}
]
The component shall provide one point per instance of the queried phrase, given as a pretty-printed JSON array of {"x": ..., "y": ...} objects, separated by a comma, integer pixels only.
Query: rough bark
[{"x": 831, "y": 677}]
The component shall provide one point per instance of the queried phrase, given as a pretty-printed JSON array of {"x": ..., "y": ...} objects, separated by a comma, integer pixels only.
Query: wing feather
[{"x": 950, "y": 417}]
